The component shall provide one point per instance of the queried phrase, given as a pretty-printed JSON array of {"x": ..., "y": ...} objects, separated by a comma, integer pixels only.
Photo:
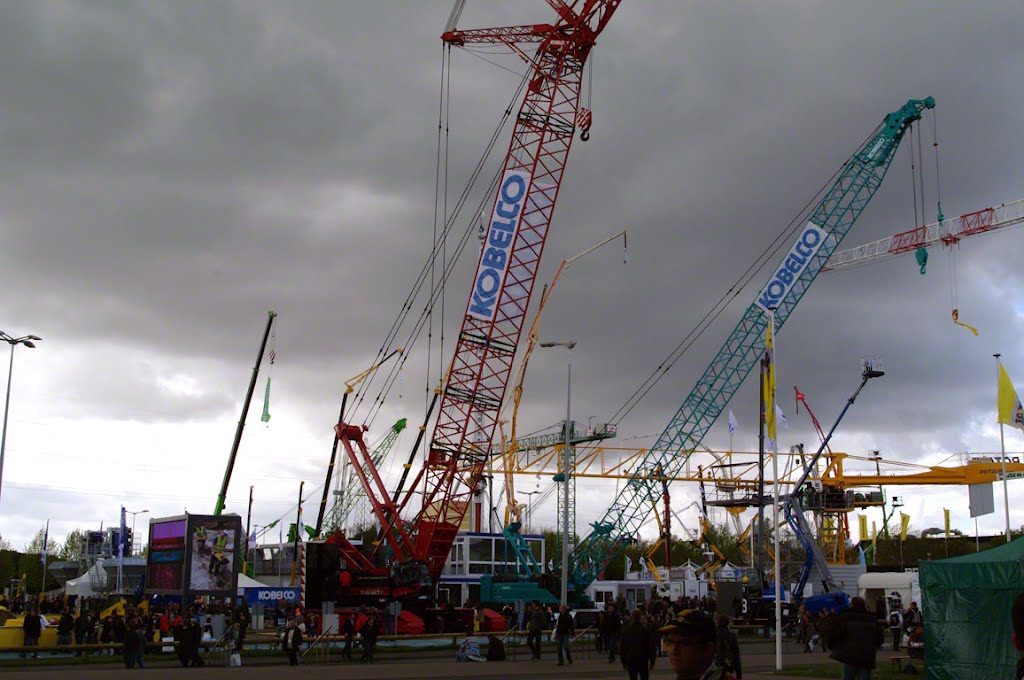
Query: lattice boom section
[{"x": 485, "y": 349}]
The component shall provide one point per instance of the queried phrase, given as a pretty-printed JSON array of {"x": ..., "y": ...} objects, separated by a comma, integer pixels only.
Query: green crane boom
[{"x": 829, "y": 223}]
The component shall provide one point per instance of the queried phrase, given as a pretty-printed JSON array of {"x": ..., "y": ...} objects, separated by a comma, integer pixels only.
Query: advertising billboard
[
  {"x": 213, "y": 554},
  {"x": 165, "y": 563}
]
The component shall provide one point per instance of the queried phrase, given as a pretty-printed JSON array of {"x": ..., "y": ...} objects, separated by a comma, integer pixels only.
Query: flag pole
[
  {"x": 298, "y": 536},
  {"x": 775, "y": 507},
  {"x": 1002, "y": 449},
  {"x": 248, "y": 525},
  {"x": 46, "y": 539}
]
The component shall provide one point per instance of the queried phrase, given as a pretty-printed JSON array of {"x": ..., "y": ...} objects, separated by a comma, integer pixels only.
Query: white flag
[
  {"x": 252, "y": 539},
  {"x": 781, "y": 416},
  {"x": 733, "y": 425},
  {"x": 629, "y": 564}
]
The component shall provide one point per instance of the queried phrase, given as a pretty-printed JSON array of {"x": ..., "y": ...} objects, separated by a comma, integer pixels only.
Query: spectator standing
[
  {"x": 854, "y": 636},
  {"x": 182, "y": 633},
  {"x": 727, "y": 648},
  {"x": 1017, "y": 616},
  {"x": 107, "y": 634},
  {"x": 611, "y": 631},
  {"x": 690, "y": 639},
  {"x": 599, "y": 638},
  {"x": 195, "y": 634},
  {"x": 291, "y": 642},
  {"x": 348, "y": 629},
  {"x": 637, "y": 647},
  {"x": 83, "y": 627},
  {"x": 117, "y": 629},
  {"x": 369, "y": 632},
  {"x": 896, "y": 626},
  {"x": 912, "y": 618},
  {"x": 535, "y": 628},
  {"x": 563, "y": 634},
  {"x": 65, "y": 628},
  {"x": 803, "y": 621},
  {"x": 134, "y": 643},
  {"x": 33, "y": 626},
  {"x": 243, "y": 618}
]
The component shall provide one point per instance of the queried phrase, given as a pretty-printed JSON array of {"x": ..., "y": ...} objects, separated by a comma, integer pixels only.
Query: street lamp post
[
  {"x": 565, "y": 471},
  {"x": 26, "y": 340},
  {"x": 137, "y": 512},
  {"x": 529, "y": 507}
]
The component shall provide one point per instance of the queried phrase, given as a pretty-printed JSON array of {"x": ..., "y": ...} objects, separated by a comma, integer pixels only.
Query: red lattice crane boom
[{"x": 521, "y": 214}]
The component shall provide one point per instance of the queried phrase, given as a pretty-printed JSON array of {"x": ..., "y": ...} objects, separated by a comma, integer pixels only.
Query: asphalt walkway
[{"x": 758, "y": 663}]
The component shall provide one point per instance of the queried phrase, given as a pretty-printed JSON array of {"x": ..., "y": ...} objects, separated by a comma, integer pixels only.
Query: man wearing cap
[{"x": 690, "y": 640}]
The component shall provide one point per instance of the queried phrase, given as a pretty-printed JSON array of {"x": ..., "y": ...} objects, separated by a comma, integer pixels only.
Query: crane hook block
[
  {"x": 922, "y": 258},
  {"x": 584, "y": 119}
]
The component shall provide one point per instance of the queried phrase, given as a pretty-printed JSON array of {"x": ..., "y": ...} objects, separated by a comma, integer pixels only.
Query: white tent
[
  {"x": 244, "y": 582},
  {"x": 83, "y": 585}
]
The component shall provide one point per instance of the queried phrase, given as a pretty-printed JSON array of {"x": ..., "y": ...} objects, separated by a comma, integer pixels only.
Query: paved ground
[{"x": 758, "y": 661}]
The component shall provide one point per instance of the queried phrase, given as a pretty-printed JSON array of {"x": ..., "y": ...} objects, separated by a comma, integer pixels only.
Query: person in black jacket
[
  {"x": 33, "y": 628},
  {"x": 854, "y": 636},
  {"x": 727, "y": 648},
  {"x": 636, "y": 647},
  {"x": 291, "y": 642},
  {"x": 1017, "y": 616},
  {"x": 611, "y": 630},
  {"x": 563, "y": 634}
]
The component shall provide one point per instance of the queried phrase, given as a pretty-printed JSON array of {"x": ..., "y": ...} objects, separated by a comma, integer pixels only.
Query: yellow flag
[
  {"x": 874, "y": 534},
  {"x": 1010, "y": 411},
  {"x": 863, "y": 527},
  {"x": 904, "y": 525},
  {"x": 946, "y": 511},
  {"x": 769, "y": 384}
]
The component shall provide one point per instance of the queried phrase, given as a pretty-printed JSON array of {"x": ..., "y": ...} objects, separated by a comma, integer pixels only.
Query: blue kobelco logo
[
  {"x": 794, "y": 264},
  {"x": 508, "y": 211}
]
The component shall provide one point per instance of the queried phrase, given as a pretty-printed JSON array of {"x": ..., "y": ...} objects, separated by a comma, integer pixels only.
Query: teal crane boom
[{"x": 833, "y": 217}]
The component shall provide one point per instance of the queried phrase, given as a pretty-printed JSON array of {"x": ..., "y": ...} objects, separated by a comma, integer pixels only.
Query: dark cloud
[{"x": 172, "y": 172}]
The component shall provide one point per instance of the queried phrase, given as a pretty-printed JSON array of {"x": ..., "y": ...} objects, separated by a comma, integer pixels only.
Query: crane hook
[{"x": 584, "y": 119}]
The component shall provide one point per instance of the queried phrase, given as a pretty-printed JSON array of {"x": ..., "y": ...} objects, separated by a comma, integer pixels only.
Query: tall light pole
[
  {"x": 27, "y": 341},
  {"x": 529, "y": 506},
  {"x": 565, "y": 472},
  {"x": 137, "y": 512}
]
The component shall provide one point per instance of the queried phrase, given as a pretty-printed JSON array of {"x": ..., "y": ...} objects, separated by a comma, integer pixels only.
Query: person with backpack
[
  {"x": 727, "y": 648},
  {"x": 912, "y": 618},
  {"x": 896, "y": 626}
]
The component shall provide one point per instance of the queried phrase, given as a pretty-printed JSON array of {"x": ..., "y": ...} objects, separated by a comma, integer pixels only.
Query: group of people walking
[{"x": 637, "y": 639}]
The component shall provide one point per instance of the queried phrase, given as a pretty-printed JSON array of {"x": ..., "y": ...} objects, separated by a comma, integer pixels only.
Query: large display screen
[
  {"x": 213, "y": 547},
  {"x": 165, "y": 566}
]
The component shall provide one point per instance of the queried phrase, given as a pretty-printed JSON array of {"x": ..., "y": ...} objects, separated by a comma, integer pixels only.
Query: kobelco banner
[
  {"x": 497, "y": 251},
  {"x": 271, "y": 596},
  {"x": 792, "y": 267}
]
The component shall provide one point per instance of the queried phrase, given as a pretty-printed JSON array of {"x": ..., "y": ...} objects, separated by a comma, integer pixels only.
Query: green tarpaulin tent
[{"x": 966, "y": 604}]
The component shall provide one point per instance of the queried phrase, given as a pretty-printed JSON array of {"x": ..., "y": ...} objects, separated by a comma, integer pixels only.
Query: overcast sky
[{"x": 172, "y": 171}]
